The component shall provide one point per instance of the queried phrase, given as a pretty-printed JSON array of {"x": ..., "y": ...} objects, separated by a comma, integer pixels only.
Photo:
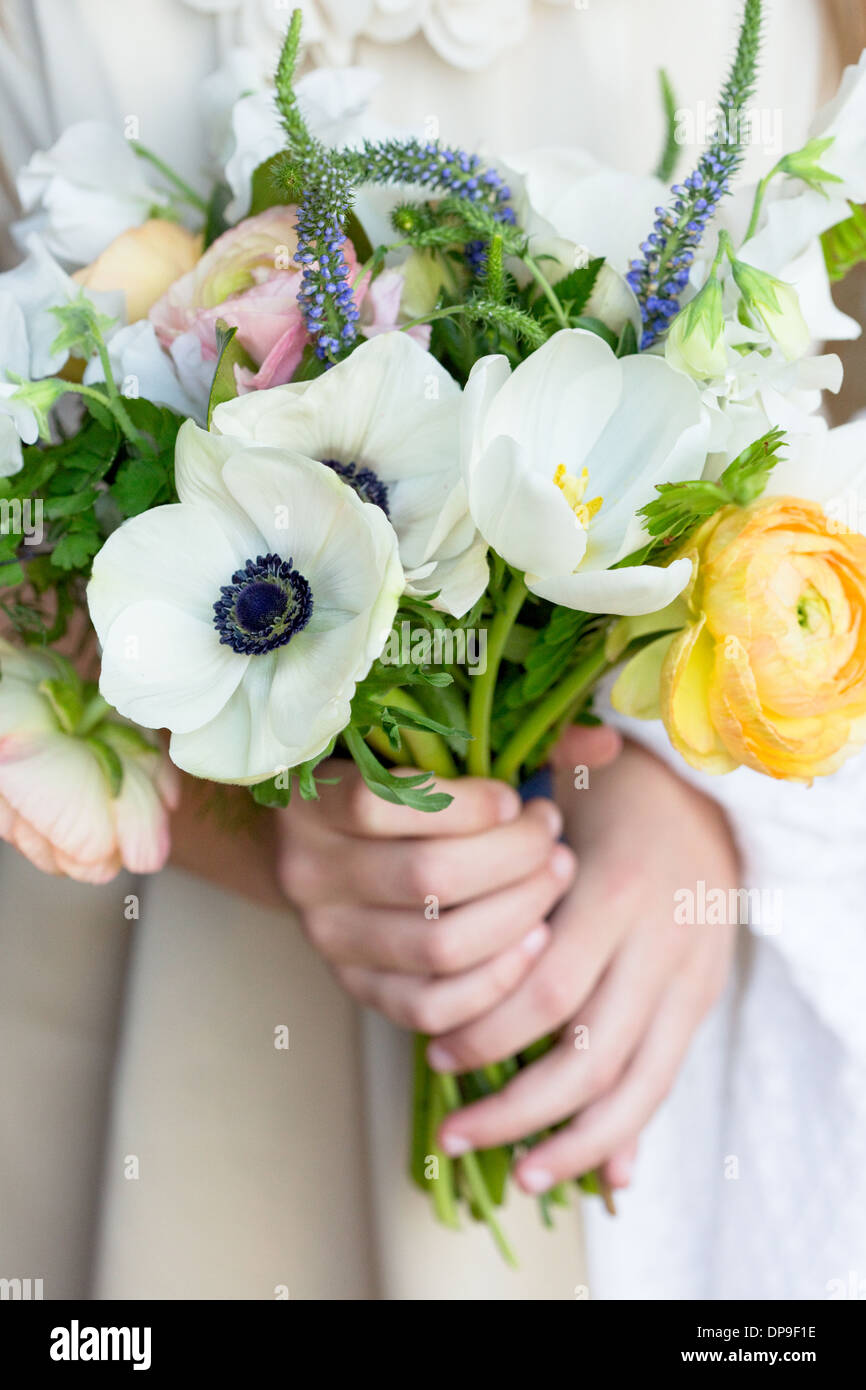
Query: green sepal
[{"x": 230, "y": 354}]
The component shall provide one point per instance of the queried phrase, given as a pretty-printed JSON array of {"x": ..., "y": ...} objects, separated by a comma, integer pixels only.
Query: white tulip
[
  {"x": 386, "y": 420},
  {"x": 560, "y": 453},
  {"x": 242, "y": 617}
]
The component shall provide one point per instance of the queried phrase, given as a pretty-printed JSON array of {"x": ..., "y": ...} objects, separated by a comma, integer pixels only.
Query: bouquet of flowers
[{"x": 391, "y": 450}]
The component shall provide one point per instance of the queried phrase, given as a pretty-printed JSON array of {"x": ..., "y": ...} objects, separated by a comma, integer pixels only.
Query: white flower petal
[
  {"x": 164, "y": 668},
  {"x": 176, "y": 554},
  {"x": 629, "y": 591},
  {"x": 199, "y": 459},
  {"x": 557, "y": 402},
  {"x": 522, "y": 516}
]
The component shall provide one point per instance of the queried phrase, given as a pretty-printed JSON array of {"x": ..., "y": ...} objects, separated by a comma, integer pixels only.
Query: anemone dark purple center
[
  {"x": 362, "y": 480},
  {"x": 264, "y": 606}
]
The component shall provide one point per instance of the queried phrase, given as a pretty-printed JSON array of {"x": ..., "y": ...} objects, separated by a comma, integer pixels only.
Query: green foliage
[
  {"x": 681, "y": 507},
  {"x": 230, "y": 354},
  {"x": 414, "y": 791},
  {"x": 85, "y": 486},
  {"x": 573, "y": 292},
  {"x": 844, "y": 245},
  {"x": 670, "y": 153},
  {"x": 277, "y": 790},
  {"x": 82, "y": 327}
]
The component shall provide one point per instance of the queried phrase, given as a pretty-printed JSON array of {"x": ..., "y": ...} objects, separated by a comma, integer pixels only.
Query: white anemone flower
[
  {"x": 387, "y": 421},
  {"x": 241, "y": 617},
  {"x": 560, "y": 453}
]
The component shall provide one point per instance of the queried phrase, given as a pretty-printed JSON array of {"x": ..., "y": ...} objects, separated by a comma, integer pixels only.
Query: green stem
[
  {"x": 484, "y": 686},
  {"x": 443, "y": 1191},
  {"x": 475, "y": 1178},
  {"x": 547, "y": 290},
  {"x": 187, "y": 193},
  {"x": 760, "y": 191},
  {"x": 448, "y": 312},
  {"x": 111, "y": 402},
  {"x": 579, "y": 681}
]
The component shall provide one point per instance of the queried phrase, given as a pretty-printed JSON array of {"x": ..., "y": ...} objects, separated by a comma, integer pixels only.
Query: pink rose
[{"x": 57, "y": 803}]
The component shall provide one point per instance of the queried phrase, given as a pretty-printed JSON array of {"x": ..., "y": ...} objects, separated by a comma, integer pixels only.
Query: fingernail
[
  {"x": 535, "y": 941},
  {"x": 509, "y": 804},
  {"x": 440, "y": 1058},
  {"x": 455, "y": 1145},
  {"x": 561, "y": 862},
  {"x": 536, "y": 1179},
  {"x": 552, "y": 815}
]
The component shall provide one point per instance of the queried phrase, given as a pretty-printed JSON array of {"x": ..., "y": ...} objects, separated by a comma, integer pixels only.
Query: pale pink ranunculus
[
  {"x": 56, "y": 805},
  {"x": 381, "y": 308},
  {"x": 249, "y": 279}
]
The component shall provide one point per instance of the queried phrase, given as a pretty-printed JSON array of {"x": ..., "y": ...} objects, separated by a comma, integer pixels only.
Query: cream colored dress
[{"x": 155, "y": 1141}]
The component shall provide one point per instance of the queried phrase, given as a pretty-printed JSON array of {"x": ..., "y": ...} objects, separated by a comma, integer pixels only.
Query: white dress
[{"x": 194, "y": 1159}]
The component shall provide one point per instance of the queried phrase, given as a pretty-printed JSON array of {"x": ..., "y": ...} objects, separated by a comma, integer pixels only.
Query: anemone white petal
[{"x": 165, "y": 668}]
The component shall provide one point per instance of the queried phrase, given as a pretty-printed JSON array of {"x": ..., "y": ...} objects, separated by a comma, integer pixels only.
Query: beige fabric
[
  {"x": 63, "y": 949},
  {"x": 250, "y": 1157}
]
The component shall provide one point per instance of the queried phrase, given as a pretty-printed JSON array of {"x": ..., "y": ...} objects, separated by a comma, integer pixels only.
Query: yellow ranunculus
[
  {"x": 143, "y": 262},
  {"x": 770, "y": 670}
]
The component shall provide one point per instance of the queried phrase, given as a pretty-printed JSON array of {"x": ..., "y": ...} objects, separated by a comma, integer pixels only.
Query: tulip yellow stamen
[{"x": 574, "y": 490}]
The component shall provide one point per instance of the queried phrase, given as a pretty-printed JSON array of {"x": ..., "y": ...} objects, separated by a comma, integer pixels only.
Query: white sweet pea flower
[
  {"x": 242, "y": 617},
  {"x": 83, "y": 192},
  {"x": 28, "y": 330},
  {"x": 141, "y": 367},
  {"x": 17, "y": 421},
  {"x": 560, "y": 453},
  {"x": 386, "y": 421}
]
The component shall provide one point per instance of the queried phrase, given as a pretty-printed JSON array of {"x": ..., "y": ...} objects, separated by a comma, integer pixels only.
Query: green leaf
[
  {"x": 594, "y": 325},
  {"x": 628, "y": 343},
  {"x": 845, "y": 244},
  {"x": 746, "y": 478},
  {"x": 109, "y": 762},
  {"x": 138, "y": 484},
  {"x": 270, "y": 185},
  {"x": 401, "y": 791},
  {"x": 82, "y": 327},
  {"x": 67, "y": 506},
  {"x": 669, "y": 156},
  {"x": 215, "y": 222},
  {"x": 574, "y": 290},
  {"x": 11, "y": 574},
  {"x": 76, "y": 549},
  {"x": 229, "y": 355},
  {"x": 395, "y": 716},
  {"x": 680, "y": 507}
]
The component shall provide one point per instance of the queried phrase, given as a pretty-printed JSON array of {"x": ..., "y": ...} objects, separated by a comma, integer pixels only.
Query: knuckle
[
  {"x": 296, "y": 875},
  {"x": 424, "y": 874},
  {"x": 551, "y": 996},
  {"x": 319, "y": 928},
  {"x": 424, "y": 1014},
  {"x": 360, "y": 803},
  {"x": 442, "y": 951}
]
